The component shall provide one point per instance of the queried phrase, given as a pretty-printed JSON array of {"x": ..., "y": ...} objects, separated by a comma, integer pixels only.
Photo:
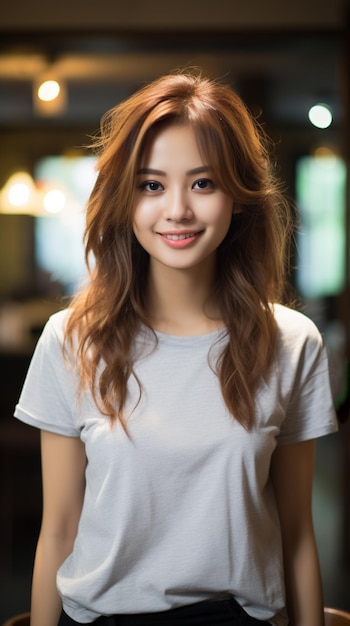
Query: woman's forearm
[
  {"x": 46, "y": 603},
  {"x": 292, "y": 475},
  {"x": 63, "y": 493},
  {"x": 303, "y": 584}
]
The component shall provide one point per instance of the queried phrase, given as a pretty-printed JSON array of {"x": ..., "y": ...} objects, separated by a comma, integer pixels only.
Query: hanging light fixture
[
  {"x": 54, "y": 200},
  {"x": 49, "y": 95},
  {"x": 18, "y": 195},
  {"x": 49, "y": 90},
  {"x": 21, "y": 195},
  {"x": 320, "y": 115}
]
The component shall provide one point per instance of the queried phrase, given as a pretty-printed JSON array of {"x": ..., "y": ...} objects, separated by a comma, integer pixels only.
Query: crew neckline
[{"x": 220, "y": 332}]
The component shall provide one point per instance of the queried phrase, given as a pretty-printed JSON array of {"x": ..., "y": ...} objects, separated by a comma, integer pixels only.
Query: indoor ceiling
[{"x": 283, "y": 75}]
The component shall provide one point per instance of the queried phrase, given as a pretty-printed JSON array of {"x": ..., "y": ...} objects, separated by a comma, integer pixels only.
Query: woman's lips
[{"x": 180, "y": 240}]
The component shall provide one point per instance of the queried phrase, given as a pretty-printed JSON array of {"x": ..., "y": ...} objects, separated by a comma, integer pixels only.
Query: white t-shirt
[{"x": 183, "y": 510}]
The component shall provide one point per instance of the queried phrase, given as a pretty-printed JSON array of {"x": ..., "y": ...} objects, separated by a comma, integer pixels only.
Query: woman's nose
[{"x": 177, "y": 206}]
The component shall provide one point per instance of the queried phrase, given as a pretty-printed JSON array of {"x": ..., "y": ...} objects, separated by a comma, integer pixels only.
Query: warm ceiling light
[
  {"x": 18, "y": 195},
  {"x": 54, "y": 201},
  {"x": 324, "y": 151},
  {"x": 49, "y": 96},
  {"x": 49, "y": 90},
  {"x": 320, "y": 116}
]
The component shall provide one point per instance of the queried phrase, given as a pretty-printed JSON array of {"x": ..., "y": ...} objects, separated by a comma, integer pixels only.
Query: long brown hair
[{"x": 106, "y": 316}]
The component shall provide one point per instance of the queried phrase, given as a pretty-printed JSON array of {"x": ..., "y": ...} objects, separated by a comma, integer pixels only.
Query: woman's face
[{"x": 180, "y": 215}]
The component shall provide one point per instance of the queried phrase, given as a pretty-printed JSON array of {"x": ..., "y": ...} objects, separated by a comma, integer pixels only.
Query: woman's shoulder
[
  {"x": 294, "y": 326},
  {"x": 55, "y": 326}
]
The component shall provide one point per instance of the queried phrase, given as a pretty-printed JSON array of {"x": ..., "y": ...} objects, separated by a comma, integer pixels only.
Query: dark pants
[{"x": 221, "y": 613}]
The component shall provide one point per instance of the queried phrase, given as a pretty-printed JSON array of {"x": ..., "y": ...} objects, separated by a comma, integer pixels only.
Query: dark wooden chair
[
  {"x": 336, "y": 617},
  {"x": 18, "y": 620}
]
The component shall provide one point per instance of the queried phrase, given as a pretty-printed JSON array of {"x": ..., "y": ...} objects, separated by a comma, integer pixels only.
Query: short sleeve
[
  {"x": 306, "y": 390},
  {"x": 48, "y": 397}
]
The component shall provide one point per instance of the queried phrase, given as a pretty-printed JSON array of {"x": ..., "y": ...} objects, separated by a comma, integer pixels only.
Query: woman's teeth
[{"x": 179, "y": 237}]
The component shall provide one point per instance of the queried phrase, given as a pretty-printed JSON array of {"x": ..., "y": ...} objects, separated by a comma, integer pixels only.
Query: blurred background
[{"x": 291, "y": 64}]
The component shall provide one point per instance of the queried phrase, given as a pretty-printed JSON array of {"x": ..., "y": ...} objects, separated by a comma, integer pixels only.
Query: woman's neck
[{"x": 180, "y": 303}]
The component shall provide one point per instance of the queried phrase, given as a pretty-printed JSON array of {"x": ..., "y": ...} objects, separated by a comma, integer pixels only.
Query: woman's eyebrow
[
  {"x": 203, "y": 169},
  {"x": 150, "y": 170}
]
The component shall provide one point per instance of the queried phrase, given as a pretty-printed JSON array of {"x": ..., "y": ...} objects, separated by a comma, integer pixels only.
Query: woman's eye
[
  {"x": 151, "y": 185},
  {"x": 203, "y": 183}
]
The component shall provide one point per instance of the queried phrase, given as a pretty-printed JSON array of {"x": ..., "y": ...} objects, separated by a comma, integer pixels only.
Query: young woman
[{"x": 178, "y": 401}]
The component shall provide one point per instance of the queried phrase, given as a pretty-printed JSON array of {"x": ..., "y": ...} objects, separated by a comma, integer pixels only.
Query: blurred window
[
  {"x": 58, "y": 237},
  {"x": 321, "y": 237}
]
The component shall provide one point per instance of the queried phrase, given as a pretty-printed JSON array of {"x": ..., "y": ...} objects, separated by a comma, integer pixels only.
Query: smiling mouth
[{"x": 179, "y": 237}]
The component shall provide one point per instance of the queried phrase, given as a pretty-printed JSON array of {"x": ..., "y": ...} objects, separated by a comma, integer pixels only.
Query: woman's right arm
[{"x": 63, "y": 475}]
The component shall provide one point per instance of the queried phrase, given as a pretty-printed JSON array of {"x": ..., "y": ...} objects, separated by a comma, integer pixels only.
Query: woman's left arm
[{"x": 292, "y": 475}]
